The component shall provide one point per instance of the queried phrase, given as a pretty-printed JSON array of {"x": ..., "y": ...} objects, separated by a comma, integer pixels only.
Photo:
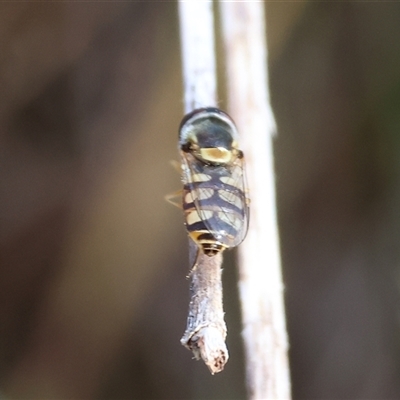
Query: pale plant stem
[
  {"x": 198, "y": 54},
  {"x": 206, "y": 330},
  {"x": 260, "y": 278}
]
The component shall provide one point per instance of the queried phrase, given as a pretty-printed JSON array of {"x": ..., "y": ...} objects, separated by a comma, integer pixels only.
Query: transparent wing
[{"x": 220, "y": 196}]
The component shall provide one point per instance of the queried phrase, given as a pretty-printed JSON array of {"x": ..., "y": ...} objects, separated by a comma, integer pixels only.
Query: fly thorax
[{"x": 217, "y": 155}]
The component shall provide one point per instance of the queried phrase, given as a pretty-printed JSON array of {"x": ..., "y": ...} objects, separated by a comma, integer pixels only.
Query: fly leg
[
  {"x": 195, "y": 264},
  {"x": 171, "y": 198}
]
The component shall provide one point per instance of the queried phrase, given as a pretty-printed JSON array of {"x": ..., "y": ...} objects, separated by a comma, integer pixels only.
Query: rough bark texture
[{"x": 206, "y": 329}]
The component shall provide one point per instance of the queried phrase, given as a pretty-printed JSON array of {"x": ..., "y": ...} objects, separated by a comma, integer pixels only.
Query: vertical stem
[
  {"x": 206, "y": 329},
  {"x": 198, "y": 55},
  {"x": 260, "y": 280}
]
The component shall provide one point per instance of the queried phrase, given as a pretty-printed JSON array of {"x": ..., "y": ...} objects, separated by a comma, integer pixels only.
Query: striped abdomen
[{"x": 214, "y": 212}]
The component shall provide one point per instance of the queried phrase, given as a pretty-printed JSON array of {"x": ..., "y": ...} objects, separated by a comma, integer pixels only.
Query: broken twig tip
[{"x": 208, "y": 344}]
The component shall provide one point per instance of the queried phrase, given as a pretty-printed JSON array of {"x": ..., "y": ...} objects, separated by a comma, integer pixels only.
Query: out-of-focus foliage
[{"x": 93, "y": 296}]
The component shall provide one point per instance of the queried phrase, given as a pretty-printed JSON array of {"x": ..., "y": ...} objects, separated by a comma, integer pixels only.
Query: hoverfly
[{"x": 215, "y": 202}]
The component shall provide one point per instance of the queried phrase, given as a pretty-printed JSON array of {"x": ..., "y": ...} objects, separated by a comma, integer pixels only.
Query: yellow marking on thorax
[{"x": 216, "y": 154}]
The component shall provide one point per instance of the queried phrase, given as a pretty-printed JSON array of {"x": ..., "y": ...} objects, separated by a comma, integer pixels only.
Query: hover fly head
[{"x": 209, "y": 134}]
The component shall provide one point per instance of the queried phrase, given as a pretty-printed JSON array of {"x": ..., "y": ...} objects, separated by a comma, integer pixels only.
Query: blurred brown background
[{"x": 93, "y": 296}]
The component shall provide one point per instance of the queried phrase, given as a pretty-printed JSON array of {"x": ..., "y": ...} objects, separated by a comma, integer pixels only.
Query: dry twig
[{"x": 206, "y": 330}]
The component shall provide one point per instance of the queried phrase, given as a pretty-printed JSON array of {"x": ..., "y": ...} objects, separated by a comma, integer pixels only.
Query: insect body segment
[{"x": 214, "y": 194}]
